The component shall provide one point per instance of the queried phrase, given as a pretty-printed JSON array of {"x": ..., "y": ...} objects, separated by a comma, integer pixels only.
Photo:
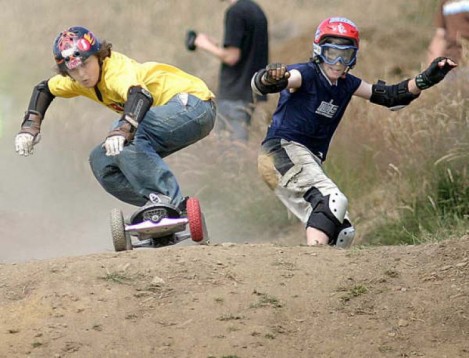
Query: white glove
[
  {"x": 114, "y": 145},
  {"x": 25, "y": 142}
]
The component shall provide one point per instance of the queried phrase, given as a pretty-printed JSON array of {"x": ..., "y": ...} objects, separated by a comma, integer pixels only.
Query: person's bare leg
[{"x": 315, "y": 237}]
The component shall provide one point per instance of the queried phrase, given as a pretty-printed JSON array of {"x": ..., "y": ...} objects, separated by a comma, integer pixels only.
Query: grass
[
  {"x": 266, "y": 300},
  {"x": 430, "y": 179},
  {"x": 353, "y": 292},
  {"x": 440, "y": 213},
  {"x": 229, "y": 317},
  {"x": 116, "y": 277}
]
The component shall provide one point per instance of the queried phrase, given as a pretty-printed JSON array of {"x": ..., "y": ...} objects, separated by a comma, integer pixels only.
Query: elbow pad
[
  {"x": 40, "y": 100},
  {"x": 394, "y": 97},
  {"x": 261, "y": 89},
  {"x": 139, "y": 101}
]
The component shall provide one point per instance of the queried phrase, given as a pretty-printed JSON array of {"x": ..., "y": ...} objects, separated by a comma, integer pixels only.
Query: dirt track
[{"x": 236, "y": 300}]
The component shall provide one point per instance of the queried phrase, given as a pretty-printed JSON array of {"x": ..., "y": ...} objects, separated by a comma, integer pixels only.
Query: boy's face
[
  {"x": 333, "y": 72},
  {"x": 87, "y": 74}
]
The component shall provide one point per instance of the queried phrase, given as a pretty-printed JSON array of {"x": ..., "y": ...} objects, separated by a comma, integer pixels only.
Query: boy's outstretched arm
[
  {"x": 275, "y": 78},
  {"x": 30, "y": 132},
  {"x": 400, "y": 95},
  {"x": 436, "y": 71}
]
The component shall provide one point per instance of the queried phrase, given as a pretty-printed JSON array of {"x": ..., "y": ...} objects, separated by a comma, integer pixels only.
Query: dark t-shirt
[
  {"x": 245, "y": 28},
  {"x": 311, "y": 114}
]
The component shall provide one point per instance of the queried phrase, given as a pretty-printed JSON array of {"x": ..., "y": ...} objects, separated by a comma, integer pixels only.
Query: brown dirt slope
[{"x": 241, "y": 300}]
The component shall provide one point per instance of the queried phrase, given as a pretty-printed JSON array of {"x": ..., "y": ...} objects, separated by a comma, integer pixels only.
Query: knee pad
[
  {"x": 328, "y": 211},
  {"x": 344, "y": 236}
]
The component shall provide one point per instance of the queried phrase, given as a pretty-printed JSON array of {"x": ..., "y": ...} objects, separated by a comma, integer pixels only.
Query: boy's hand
[
  {"x": 114, "y": 145},
  {"x": 25, "y": 142},
  {"x": 435, "y": 72},
  {"x": 275, "y": 72},
  {"x": 118, "y": 137}
]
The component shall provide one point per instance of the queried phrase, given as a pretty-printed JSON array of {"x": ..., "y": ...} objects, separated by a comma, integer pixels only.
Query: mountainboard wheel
[
  {"x": 120, "y": 240},
  {"x": 194, "y": 215}
]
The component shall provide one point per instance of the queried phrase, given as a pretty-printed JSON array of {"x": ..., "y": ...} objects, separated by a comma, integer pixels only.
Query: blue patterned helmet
[{"x": 73, "y": 46}]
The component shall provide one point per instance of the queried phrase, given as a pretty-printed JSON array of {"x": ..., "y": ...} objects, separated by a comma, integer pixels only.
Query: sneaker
[{"x": 158, "y": 199}]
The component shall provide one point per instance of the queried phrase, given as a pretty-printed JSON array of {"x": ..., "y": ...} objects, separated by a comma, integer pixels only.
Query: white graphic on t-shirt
[{"x": 327, "y": 109}]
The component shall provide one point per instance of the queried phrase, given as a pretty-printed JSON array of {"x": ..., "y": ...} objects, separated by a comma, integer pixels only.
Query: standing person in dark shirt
[
  {"x": 313, "y": 98},
  {"x": 452, "y": 30},
  {"x": 245, "y": 50}
]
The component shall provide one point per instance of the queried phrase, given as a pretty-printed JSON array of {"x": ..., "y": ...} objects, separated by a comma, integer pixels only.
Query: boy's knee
[
  {"x": 266, "y": 169},
  {"x": 328, "y": 212},
  {"x": 95, "y": 154}
]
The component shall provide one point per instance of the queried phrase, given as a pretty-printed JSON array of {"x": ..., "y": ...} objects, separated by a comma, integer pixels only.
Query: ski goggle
[{"x": 331, "y": 54}]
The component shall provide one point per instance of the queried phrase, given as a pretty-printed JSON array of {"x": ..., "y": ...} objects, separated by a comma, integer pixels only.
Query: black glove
[
  {"x": 433, "y": 74},
  {"x": 276, "y": 73},
  {"x": 190, "y": 40}
]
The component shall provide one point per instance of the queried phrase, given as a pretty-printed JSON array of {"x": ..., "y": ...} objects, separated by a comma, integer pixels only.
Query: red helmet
[
  {"x": 327, "y": 46},
  {"x": 73, "y": 46},
  {"x": 337, "y": 27}
]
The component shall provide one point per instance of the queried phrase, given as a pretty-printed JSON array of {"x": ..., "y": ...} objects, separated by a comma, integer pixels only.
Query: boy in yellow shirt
[{"x": 161, "y": 108}]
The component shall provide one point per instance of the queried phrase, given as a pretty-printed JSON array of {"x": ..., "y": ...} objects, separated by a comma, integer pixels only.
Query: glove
[
  {"x": 434, "y": 73},
  {"x": 191, "y": 35},
  {"x": 114, "y": 145},
  {"x": 25, "y": 142},
  {"x": 118, "y": 137},
  {"x": 276, "y": 73}
]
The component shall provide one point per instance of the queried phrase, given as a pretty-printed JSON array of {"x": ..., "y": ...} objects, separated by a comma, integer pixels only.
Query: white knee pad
[
  {"x": 338, "y": 205},
  {"x": 345, "y": 237}
]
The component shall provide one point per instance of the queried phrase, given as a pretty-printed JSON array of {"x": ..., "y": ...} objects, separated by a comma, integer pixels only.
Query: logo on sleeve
[
  {"x": 117, "y": 107},
  {"x": 327, "y": 109}
]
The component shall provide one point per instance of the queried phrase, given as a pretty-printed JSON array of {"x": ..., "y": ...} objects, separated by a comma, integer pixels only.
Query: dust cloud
[{"x": 51, "y": 205}]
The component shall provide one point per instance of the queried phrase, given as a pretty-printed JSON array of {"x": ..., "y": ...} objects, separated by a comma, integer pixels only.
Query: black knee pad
[
  {"x": 324, "y": 223},
  {"x": 328, "y": 211}
]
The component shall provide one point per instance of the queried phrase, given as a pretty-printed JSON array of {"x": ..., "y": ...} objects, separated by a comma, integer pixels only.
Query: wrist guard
[
  {"x": 125, "y": 129},
  {"x": 260, "y": 88},
  {"x": 394, "y": 97},
  {"x": 31, "y": 123},
  {"x": 40, "y": 100},
  {"x": 139, "y": 101},
  {"x": 433, "y": 74}
]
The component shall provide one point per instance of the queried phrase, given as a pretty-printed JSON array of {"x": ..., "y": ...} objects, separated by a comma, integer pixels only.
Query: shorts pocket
[{"x": 291, "y": 176}]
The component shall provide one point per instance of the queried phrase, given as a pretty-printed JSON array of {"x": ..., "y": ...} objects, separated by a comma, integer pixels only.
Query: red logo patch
[{"x": 83, "y": 45}]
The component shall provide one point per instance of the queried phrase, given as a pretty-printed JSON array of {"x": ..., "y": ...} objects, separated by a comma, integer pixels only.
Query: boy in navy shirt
[{"x": 313, "y": 99}]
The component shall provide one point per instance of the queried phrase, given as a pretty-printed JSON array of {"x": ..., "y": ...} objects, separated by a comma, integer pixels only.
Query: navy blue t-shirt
[{"x": 311, "y": 114}]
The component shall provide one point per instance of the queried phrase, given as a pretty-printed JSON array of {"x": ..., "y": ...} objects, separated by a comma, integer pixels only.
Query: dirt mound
[{"x": 235, "y": 300}]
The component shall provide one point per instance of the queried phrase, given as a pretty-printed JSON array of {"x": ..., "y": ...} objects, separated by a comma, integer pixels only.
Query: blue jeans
[
  {"x": 139, "y": 170},
  {"x": 234, "y": 117}
]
